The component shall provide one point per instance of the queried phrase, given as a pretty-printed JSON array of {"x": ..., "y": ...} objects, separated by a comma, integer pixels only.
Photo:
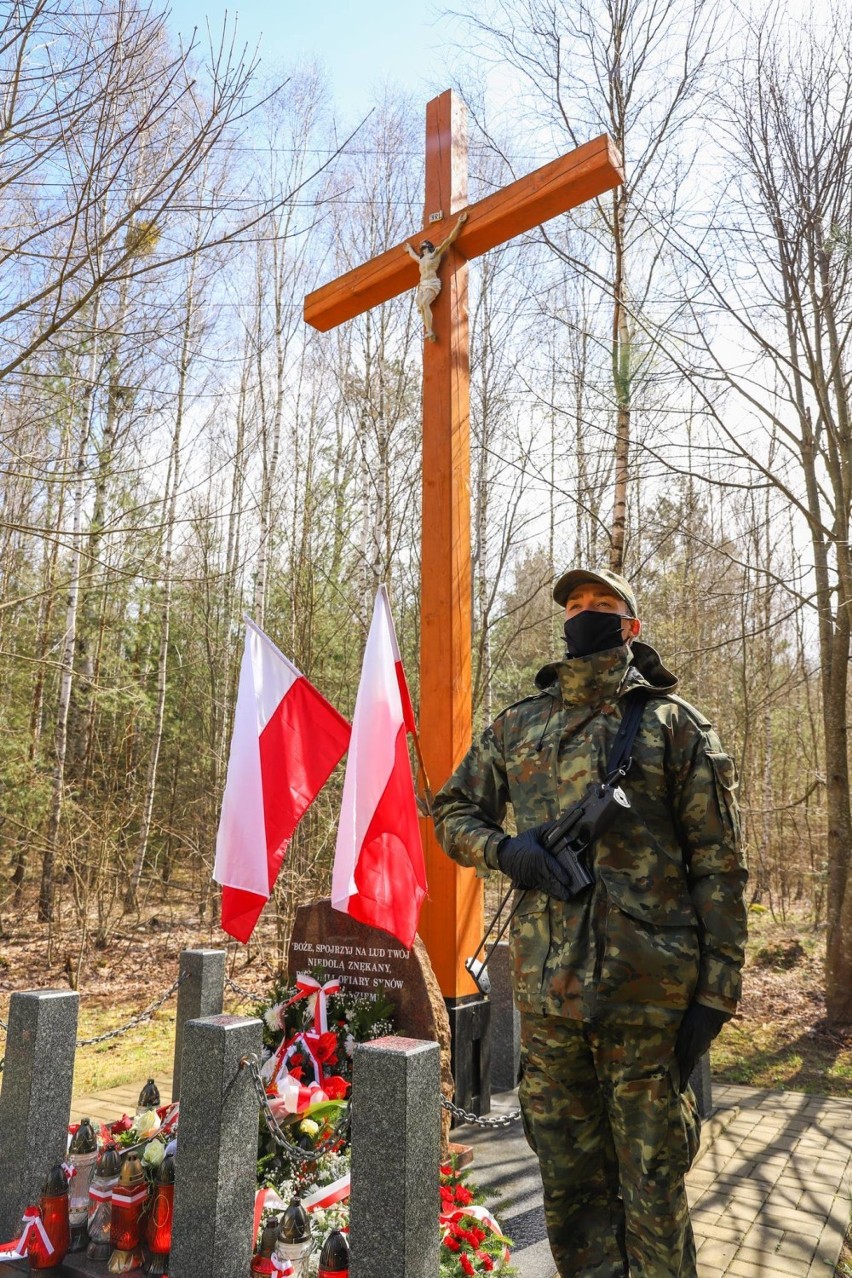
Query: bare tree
[
  {"x": 634, "y": 69},
  {"x": 777, "y": 272}
]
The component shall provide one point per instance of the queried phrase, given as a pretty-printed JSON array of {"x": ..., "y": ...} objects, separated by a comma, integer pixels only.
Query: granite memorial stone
[
  {"x": 216, "y": 1161},
  {"x": 35, "y": 1101},
  {"x": 395, "y": 1160},
  {"x": 201, "y": 993}
]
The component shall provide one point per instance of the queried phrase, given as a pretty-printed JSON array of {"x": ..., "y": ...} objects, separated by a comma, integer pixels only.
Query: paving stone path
[{"x": 770, "y": 1189}]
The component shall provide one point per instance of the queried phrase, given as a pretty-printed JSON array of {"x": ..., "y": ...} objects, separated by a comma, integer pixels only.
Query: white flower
[
  {"x": 309, "y": 1127},
  {"x": 271, "y": 1016},
  {"x": 349, "y": 1045},
  {"x": 154, "y": 1153},
  {"x": 146, "y": 1123}
]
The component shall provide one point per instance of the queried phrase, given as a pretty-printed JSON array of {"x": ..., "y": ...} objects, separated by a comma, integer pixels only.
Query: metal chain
[
  {"x": 135, "y": 1020},
  {"x": 341, "y": 1127},
  {"x": 238, "y": 989},
  {"x": 503, "y": 1120}
]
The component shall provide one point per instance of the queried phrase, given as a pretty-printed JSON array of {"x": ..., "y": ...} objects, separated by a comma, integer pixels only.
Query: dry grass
[{"x": 780, "y": 1037}]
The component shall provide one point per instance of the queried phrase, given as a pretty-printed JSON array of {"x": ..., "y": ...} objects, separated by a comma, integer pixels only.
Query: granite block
[
  {"x": 470, "y": 1026},
  {"x": 395, "y": 1159},
  {"x": 35, "y": 1101},
  {"x": 200, "y": 994},
  {"x": 216, "y": 1161},
  {"x": 505, "y": 1022}
]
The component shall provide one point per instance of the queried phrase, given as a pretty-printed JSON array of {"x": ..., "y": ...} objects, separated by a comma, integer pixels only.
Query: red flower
[
  {"x": 298, "y": 1073},
  {"x": 467, "y": 1264},
  {"x": 325, "y": 1048},
  {"x": 335, "y": 1087},
  {"x": 463, "y": 1195},
  {"x": 446, "y": 1196},
  {"x": 487, "y": 1262},
  {"x": 122, "y": 1124},
  {"x": 451, "y": 1244}
]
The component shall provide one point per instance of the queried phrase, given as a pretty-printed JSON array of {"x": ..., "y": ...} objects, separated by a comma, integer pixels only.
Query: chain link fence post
[
  {"x": 201, "y": 993},
  {"x": 35, "y": 1102}
]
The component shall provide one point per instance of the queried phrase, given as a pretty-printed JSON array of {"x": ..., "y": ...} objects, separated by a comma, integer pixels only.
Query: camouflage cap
[{"x": 575, "y": 577}]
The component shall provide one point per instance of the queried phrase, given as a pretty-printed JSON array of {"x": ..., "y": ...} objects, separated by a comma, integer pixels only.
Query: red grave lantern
[
  {"x": 261, "y": 1261},
  {"x": 158, "y": 1229},
  {"x": 128, "y": 1203},
  {"x": 334, "y": 1257},
  {"x": 54, "y": 1214}
]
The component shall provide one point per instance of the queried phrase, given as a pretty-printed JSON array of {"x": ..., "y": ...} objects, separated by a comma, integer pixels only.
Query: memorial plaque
[{"x": 367, "y": 960}]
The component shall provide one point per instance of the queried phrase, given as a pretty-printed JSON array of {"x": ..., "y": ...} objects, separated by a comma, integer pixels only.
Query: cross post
[{"x": 452, "y": 917}]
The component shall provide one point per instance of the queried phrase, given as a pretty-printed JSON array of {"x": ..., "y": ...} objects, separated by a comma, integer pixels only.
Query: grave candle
[
  {"x": 128, "y": 1200},
  {"x": 103, "y": 1183},
  {"x": 54, "y": 1214},
  {"x": 158, "y": 1229},
  {"x": 149, "y": 1097},
  {"x": 295, "y": 1243},
  {"x": 83, "y": 1157},
  {"x": 262, "y": 1262},
  {"x": 334, "y": 1257}
]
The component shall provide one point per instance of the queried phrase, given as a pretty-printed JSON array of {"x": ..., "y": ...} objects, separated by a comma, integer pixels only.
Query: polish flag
[
  {"x": 287, "y": 740},
  {"x": 379, "y": 873}
]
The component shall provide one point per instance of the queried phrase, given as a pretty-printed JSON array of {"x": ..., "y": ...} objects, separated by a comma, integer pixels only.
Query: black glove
[
  {"x": 529, "y": 865},
  {"x": 699, "y": 1027}
]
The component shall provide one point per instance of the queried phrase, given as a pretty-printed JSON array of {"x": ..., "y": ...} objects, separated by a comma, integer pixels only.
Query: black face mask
[{"x": 587, "y": 632}]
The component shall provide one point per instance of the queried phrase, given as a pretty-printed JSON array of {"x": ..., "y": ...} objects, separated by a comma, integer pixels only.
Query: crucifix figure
[
  {"x": 452, "y": 918},
  {"x": 429, "y": 260}
]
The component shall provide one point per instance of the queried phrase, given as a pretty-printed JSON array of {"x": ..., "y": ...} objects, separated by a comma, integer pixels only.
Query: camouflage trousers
[{"x": 614, "y": 1141}]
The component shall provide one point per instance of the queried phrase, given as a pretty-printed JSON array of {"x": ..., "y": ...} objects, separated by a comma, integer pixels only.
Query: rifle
[
  {"x": 571, "y": 835},
  {"x": 568, "y": 839}
]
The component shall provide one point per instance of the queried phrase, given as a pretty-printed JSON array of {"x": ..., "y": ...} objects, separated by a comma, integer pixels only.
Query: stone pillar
[
  {"x": 702, "y": 1084},
  {"x": 505, "y": 1022},
  {"x": 35, "y": 1102},
  {"x": 201, "y": 994},
  {"x": 396, "y": 1143},
  {"x": 470, "y": 1035},
  {"x": 216, "y": 1165}
]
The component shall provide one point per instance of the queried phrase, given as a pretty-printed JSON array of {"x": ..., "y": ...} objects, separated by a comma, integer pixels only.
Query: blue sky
[{"x": 362, "y": 46}]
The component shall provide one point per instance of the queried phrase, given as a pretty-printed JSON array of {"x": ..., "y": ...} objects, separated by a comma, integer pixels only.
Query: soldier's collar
[{"x": 587, "y": 680}]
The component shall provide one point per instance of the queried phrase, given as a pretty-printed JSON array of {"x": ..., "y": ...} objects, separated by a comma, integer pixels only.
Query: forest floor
[{"x": 779, "y": 1039}]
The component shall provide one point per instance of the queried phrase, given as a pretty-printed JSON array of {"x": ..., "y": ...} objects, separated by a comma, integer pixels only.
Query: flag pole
[{"x": 427, "y": 789}]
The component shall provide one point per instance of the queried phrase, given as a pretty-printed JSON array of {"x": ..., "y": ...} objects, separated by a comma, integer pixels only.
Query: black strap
[{"x": 620, "y": 758}]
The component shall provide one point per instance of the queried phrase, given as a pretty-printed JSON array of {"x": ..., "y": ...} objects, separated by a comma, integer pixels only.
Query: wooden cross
[{"x": 451, "y": 921}]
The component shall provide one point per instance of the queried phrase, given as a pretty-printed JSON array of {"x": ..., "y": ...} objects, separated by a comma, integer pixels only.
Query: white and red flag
[
  {"x": 287, "y": 740},
  {"x": 379, "y": 872}
]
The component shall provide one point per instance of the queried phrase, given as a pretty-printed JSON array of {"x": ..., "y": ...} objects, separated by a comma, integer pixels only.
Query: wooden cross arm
[{"x": 556, "y": 187}]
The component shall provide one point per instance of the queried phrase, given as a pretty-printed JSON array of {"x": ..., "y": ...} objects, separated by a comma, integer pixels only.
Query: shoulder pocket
[{"x": 726, "y": 785}]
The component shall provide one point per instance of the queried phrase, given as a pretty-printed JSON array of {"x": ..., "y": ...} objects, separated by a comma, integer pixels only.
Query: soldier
[{"x": 623, "y": 986}]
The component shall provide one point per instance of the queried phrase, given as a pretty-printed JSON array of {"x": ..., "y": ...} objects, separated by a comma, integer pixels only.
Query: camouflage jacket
[{"x": 665, "y": 921}]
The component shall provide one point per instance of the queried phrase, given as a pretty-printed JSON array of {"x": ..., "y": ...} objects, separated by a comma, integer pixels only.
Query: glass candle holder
[{"x": 103, "y": 1183}]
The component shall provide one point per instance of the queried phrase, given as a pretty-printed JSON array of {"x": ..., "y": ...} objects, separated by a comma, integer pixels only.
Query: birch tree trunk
[
  {"x": 46, "y": 888},
  {"x": 131, "y": 895}
]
